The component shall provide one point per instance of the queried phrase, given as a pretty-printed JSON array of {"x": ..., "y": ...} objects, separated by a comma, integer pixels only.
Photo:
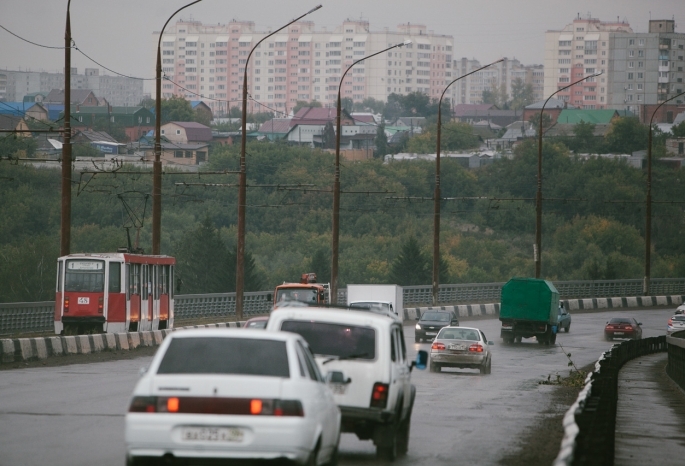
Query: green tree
[
  {"x": 369, "y": 105},
  {"x": 679, "y": 130},
  {"x": 411, "y": 266},
  {"x": 347, "y": 104},
  {"x": 626, "y": 135},
  {"x": 203, "y": 116},
  {"x": 495, "y": 95},
  {"x": 177, "y": 109},
  {"x": 321, "y": 265},
  {"x": 521, "y": 94},
  {"x": 584, "y": 138},
  {"x": 381, "y": 142},
  {"x": 328, "y": 137},
  {"x": 203, "y": 262}
]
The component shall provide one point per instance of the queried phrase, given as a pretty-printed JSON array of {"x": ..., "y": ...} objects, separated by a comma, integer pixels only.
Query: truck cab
[{"x": 306, "y": 291}]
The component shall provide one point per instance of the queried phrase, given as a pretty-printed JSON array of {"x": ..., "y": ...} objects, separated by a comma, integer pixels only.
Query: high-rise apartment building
[
  {"x": 207, "y": 62},
  {"x": 639, "y": 69},
  {"x": 117, "y": 90},
  {"x": 500, "y": 76}
]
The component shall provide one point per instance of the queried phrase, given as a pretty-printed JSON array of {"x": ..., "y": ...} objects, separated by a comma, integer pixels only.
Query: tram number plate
[
  {"x": 212, "y": 434},
  {"x": 84, "y": 300}
]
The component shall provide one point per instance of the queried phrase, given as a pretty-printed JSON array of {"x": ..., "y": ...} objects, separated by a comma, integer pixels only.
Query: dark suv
[{"x": 431, "y": 322}]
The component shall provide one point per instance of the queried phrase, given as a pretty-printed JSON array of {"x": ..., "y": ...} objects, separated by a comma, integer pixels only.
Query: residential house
[
  {"x": 675, "y": 146},
  {"x": 177, "y": 154},
  {"x": 16, "y": 109},
  {"x": 14, "y": 123},
  {"x": 100, "y": 140},
  {"x": 136, "y": 121},
  {"x": 185, "y": 132},
  {"x": 553, "y": 108},
  {"x": 274, "y": 129},
  {"x": 569, "y": 118},
  {"x": 37, "y": 112},
  {"x": 202, "y": 109},
  {"x": 79, "y": 97},
  {"x": 309, "y": 122}
]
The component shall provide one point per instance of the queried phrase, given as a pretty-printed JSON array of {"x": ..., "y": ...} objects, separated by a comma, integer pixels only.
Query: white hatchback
[{"x": 232, "y": 394}]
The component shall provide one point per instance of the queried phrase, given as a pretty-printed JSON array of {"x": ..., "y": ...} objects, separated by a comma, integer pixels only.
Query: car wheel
[
  {"x": 518, "y": 339},
  {"x": 434, "y": 367},
  {"x": 489, "y": 366},
  {"x": 568, "y": 328},
  {"x": 483, "y": 368},
  {"x": 608, "y": 337},
  {"x": 417, "y": 339}
]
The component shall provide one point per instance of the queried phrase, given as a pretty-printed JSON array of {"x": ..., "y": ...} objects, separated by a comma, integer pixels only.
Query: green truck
[{"x": 529, "y": 307}]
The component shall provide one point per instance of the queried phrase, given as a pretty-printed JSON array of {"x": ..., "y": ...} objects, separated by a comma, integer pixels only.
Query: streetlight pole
[
  {"x": 335, "y": 237},
  {"x": 157, "y": 164},
  {"x": 65, "y": 225},
  {"x": 242, "y": 187},
  {"x": 436, "y": 194},
  {"x": 648, "y": 200},
  {"x": 537, "y": 252}
]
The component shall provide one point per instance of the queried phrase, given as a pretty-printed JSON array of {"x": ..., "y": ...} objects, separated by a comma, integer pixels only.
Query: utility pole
[{"x": 65, "y": 230}]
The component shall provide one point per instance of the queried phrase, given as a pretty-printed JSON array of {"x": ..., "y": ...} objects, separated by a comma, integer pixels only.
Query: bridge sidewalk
[{"x": 650, "y": 416}]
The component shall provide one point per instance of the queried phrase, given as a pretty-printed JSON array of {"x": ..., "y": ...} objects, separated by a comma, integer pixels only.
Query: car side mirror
[
  {"x": 455, "y": 322},
  {"x": 421, "y": 360},
  {"x": 639, "y": 323},
  {"x": 337, "y": 377}
]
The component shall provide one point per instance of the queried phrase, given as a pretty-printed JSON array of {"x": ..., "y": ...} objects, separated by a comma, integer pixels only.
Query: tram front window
[{"x": 85, "y": 275}]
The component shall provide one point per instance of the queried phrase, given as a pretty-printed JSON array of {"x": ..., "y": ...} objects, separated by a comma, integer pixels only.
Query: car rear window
[
  {"x": 439, "y": 316},
  {"x": 218, "y": 355},
  {"x": 620, "y": 320},
  {"x": 343, "y": 341},
  {"x": 679, "y": 318},
  {"x": 459, "y": 334}
]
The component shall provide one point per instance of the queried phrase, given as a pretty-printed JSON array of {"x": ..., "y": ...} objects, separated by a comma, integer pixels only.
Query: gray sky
[{"x": 118, "y": 33}]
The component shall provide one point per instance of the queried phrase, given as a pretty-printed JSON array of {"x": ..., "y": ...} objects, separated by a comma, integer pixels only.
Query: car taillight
[
  {"x": 475, "y": 348},
  {"x": 66, "y": 304},
  {"x": 100, "y": 304},
  {"x": 610, "y": 326},
  {"x": 438, "y": 346},
  {"x": 197, "y": 405},
  {"x": 670, "y": 321},
  {"x": 379, "y": 396}
]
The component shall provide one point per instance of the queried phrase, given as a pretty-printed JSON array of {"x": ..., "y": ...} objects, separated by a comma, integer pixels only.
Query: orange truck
[{"x": 306, "y": 291}]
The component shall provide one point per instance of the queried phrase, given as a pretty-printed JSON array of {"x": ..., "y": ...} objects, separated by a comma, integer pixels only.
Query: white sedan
[{"x": 232, "y": 394}]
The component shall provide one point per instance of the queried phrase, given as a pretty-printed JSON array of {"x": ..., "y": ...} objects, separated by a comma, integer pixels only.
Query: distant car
[
  {"x": 221, "y": 394},
  {"x": 431, "y": 322},
  {"x": 675, "y": 324},
  {"x": 564, "y": 320},
  {"x": 462, "y": 347},
  {"x": 623, "y": 327},
  {"x": 256, "y": 322}
]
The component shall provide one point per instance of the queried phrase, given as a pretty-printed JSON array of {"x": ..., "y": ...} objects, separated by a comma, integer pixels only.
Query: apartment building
[
  {"x": 117, "y": 90},
  {"x": 300, "y": 63},
  {"x": 498, "y": 76},
  {"x": 640, "y": 69}
]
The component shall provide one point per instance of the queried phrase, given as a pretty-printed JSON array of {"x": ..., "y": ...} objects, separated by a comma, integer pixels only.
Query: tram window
[
  {"x": 171, "y": 282},
  {"x": 85, "y": 275},
  {"x": 146, "y": 282},
  {"x": 134, "y": 280},
  {"x": 60, "y": 264},
  {"x": 165, "y": 279},
  {"x": 115, "y": 277}
]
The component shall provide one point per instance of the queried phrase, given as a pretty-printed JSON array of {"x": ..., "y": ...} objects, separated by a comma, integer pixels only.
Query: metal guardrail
[
  {"x": 590, "y": 423},
  {"x": 676, "y": 357},
  {"x": 15, "y": 317}
]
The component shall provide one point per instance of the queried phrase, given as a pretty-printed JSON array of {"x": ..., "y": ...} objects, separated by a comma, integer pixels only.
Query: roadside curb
[
  {"x": 27, "y": 349},
  {"x": 492, "y": 310}
]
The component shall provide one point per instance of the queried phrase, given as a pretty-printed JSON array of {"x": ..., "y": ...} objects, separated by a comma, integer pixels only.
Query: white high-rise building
[
  {"x": 500, "y": 76},
  {"x": 207, "y": 62}
]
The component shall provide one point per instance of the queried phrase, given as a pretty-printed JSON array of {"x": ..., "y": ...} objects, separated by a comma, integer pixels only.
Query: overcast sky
[{"x": 118, "y": 33}]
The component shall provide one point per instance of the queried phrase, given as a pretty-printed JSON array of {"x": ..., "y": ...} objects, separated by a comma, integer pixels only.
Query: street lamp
[
  {"x": 157, "y": 164},
  {"x": 537, "y": 252},
  {"x": 336, "y": 180},
  {"x": 65, "y": 214},
  {"x": 648, "y": 210},
  {"x": 242, "y": 188},
  {"x": 436, "y": 195}
]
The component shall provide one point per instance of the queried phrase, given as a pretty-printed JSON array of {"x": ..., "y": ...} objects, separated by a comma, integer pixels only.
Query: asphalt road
[{"x": 74, "y": 415}]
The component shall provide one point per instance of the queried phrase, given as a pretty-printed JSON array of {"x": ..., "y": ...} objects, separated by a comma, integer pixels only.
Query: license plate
[
  {"x": 456, "y": 347},
  {"x": 431, "y": 333},
  {"x": 212, "y": 434},
  {"x": 84, "y": 300},
  {"x": 618, "y": 333},
  {"x": 338, "y": 388}
]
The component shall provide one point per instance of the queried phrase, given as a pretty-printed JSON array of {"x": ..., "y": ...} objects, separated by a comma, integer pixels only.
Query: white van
[{"x": 363, "y": 355}]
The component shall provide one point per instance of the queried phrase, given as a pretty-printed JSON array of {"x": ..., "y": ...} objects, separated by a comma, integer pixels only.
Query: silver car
[{"x": 462, "y": 347}]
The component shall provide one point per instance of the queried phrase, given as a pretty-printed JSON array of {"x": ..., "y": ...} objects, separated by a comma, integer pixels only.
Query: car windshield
[
  {"x": 304, "y": 295},
  {"x": 439, "y": 316},
  {"x": 256, "y": 324},
  {"x": 620, "y": 320},
  {"x": 458, "y": 334},
  {"x": 371, "y": 305},
  {"x": 339, "y": 340},
  {"x": 218, "y": 355}
]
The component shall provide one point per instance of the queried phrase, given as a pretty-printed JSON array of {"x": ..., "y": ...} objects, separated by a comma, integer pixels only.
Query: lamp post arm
[{"x": 648, "y": 201}]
